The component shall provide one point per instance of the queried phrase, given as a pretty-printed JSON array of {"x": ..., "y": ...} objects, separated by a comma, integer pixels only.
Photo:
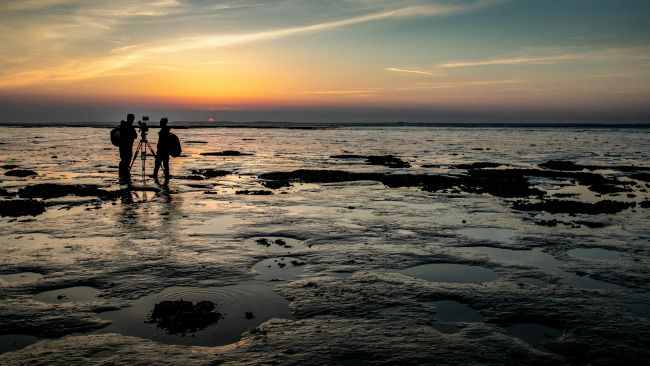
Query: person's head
[
  {"x": 163, "y": 122},
  {"x": 130, "y": 118}
]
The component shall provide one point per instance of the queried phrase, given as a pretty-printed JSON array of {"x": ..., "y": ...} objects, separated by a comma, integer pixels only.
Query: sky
[{"x": 334, "y": 60}]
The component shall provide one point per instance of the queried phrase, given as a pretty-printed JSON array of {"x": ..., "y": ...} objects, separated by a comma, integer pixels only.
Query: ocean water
[{"x": 351, "y": 254}]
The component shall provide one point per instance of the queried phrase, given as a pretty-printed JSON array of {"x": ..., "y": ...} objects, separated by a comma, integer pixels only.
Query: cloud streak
[
  {"x": 397, "y": 69},
  {"x": 631, "y": 53}
]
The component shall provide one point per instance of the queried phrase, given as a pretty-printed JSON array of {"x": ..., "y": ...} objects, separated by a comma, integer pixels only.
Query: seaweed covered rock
[
  {"x": 211, "y": 173},
  {"x": 15, "y": 208},
  {"x": 506, "y": 183},
  {"x": 22, "y": 173},
  {"x": 182, "y": 317},
  {"x": 52, "y": 190},
  {"x": 390, "y": 161},
  {"x": 575, "y": 207}
]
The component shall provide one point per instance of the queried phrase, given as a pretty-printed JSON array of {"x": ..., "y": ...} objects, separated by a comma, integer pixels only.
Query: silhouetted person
[
  {"x": 127, "y": 136},
  {"x": 162, "y": 155}
]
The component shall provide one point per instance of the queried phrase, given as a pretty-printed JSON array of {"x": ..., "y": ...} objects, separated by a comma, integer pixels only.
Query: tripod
[{"x": 142, "y": 150}]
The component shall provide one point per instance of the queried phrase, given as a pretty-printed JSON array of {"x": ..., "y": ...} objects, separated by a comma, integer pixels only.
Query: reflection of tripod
[{"x": 142, "y": 150}]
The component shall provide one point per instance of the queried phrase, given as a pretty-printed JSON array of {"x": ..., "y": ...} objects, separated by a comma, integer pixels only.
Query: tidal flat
[{"x": 335, "y": 246}]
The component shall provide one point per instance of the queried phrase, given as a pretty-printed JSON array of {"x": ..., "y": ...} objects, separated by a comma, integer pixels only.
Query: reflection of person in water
[
  {"x": 162, "y": 155},
  {"x": 127, "y": 136}
]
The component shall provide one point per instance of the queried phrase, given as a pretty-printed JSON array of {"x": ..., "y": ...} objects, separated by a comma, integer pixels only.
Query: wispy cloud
[
  {"x": 103, "y": 18},
  {"x": 459, "y": 84},
  {"x": 630, "y": 53},
  {"x": 219, "y": 40},
  {"x": 397, "y": 69}
]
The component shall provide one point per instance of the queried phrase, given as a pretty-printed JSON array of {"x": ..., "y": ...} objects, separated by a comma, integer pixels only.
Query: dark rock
[
  {"x": 591, "y": 224},
  {"x": 549, "y": 223},
  {"x": 254, "y": 192},
  {"x": 5, "y": 193},
  {"x": 249, "y": 315},
  {"x": 211, "y": 173},
  {"x": 501, "y": 183},
  {"x": 561, "y": 165},
  {"x": 387, "y": 160},
  {"x": 297, "y": 263},
  {"x": 52, "y": 190},
  {"x": 575, "y": 207},
  {"x": 390, "y": 161},
  {"x": 226, "y": 153},
  {"x": 189, "y": 177},
  {"x": 280, "y": 242},
  {"x": 9, "y": 166},
  {"x": 263, "y": 241},
  {"x": 15, "y": 208},
  {"x": 645, "y": 177},
  {"x": 20, "y": 173},
  {"x": 645, "y": 204},
  {"x": 478, "y": 165},
  {"x": 607, "y": 188},
  {"x": 276, "y": 184},
  {"x": 181, "y": 317}
]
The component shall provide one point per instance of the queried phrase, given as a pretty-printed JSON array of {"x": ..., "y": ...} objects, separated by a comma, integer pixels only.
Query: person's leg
[
  {"x": 128, "y": 155},
  {"x": 123, "y": 163},
  {"x": 156, "y": 166},
  {"x": 166, "y": 165}
]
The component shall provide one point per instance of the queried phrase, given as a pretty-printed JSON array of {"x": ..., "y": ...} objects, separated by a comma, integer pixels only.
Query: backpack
[
  {"x": 174, "y": 145},
  {"x": 115, "y": 136}
]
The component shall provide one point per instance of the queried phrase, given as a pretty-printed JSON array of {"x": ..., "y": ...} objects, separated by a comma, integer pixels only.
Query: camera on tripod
[{"x": 143, "y": 128}]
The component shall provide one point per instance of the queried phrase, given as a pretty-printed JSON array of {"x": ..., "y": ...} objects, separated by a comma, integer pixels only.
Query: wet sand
[{"x": 362, "y": 245}]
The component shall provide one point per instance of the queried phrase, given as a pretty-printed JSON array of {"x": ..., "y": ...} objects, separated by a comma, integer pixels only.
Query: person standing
[
  {"x": 127, "y": 136},
  {"x": 162, "y": 153}
]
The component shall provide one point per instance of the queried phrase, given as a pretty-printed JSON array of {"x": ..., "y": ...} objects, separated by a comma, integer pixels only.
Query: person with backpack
[
  {"x": 127, "y": 135},
  {"x": 163, "y": 149}
]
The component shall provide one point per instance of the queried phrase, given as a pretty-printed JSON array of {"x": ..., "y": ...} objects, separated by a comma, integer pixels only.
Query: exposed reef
[{"x": 390, "y": 161}]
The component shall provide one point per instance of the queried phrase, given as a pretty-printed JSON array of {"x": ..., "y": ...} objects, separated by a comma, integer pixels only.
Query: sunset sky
[{"x": 78, "y": 60}]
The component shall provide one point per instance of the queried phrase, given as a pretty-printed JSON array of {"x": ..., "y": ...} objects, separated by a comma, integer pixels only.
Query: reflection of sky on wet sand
[{"x": 205, "y": 235}]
